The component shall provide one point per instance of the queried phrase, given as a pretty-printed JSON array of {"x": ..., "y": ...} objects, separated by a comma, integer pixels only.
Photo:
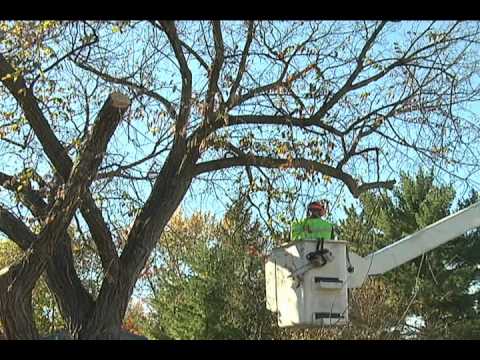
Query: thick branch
[
  {"x": 216, "y": 67},
  {"x": 186, "y": 97},
  {"x": 15, "y": 229},
  {"x": 25, "y": 98},
  {"x": 274, "y": 163},
  {"x": 22, "y": 277},
  {"x": 74, "y": 301},
  {"x": 59, "y": 158},
  {"x": 282, "y": 120},
  {"x": 195, "y": 55},
  {"x": 29, "y": 197},
  {"x": 243, "y": 62}
]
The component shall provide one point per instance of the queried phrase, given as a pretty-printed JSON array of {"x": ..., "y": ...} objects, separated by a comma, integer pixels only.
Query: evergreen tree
[
  {"x": 215, "y": 288},
  {"x": 435, "y": 289}
]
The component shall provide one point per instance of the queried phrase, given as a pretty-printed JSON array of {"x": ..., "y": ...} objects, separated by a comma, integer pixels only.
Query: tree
[
  {"x": 216, "y": 289},
  {"x": 435, "y": 289},
  {"x": 273, "y": 104},
  {"x": 136, "y": 320},
  {"x": 46, "y": 312}
]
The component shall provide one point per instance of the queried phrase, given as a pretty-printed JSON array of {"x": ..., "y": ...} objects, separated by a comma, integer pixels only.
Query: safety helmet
[{"x": 317, "y": 208}]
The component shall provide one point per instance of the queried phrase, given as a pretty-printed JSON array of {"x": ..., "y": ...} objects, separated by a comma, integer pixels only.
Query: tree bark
[
  {"x": 61, "y": 277},
  {"x": 19, "y": 324},
  {"x": 73, "y": 299}
]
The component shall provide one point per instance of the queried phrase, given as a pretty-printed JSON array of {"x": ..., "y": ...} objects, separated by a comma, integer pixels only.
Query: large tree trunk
[
  {"x": 172, "y": 184},
  {"x": 62, "y": 279},
  {"x": 16, "y": 313},
  {"x": 103, "y": 318},
  {"x": 73, "y": 300}
]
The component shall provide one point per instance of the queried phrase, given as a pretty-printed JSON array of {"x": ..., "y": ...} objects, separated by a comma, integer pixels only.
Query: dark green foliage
[
  {"x": 215, "y": 288},
  {"x": 437, "y": 286}
]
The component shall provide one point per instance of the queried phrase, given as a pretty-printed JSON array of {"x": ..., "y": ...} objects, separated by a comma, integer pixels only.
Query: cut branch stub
[{"x": 119, "y": 100}]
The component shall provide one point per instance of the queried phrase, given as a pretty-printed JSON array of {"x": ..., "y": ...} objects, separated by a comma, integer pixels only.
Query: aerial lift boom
[{"x": 414, "y": 245}]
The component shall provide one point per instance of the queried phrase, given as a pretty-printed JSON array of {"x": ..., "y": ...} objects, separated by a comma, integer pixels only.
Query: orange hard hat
[{"x": 317, "y": 206}]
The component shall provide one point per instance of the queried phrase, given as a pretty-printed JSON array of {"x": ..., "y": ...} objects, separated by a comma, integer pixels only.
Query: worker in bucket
[{"x": 314, "y": 227}]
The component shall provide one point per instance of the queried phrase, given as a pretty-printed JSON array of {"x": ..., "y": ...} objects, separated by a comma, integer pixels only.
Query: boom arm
[{"x": 415, "y": 244}]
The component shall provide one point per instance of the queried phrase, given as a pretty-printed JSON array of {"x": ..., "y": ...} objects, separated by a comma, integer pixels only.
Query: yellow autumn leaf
[
  {"x": 364, "y": 95},
  {"x": 282, "y": 149},
  {"x": 327, "y": 179},
  {"x": 76, "y": 143},
  {"x": 48, "y": 24},
  {"x": 154, "y": 130},
  {"x": 7, "y": 77}
]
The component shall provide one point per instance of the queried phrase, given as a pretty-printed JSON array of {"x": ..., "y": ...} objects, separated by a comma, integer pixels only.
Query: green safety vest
[{"x": 311, "y": 229}]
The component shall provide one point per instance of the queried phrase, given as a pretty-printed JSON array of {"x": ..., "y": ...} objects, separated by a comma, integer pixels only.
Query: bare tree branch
[
  {"x": 215, "y": 69},
  {"x": 271, "y": 86},
  {"x": 195, "y": 55},
  {"x": 329, "y": 102},
  {"x": 282, "y": 120},
  {"x": 243, "y": 63},
  {"x": 273, "y": 163},
  {"x": 123, "y": 81}
]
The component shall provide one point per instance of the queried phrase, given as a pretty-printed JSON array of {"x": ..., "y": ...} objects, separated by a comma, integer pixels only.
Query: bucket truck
[{"x": 305, "y": 294}]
